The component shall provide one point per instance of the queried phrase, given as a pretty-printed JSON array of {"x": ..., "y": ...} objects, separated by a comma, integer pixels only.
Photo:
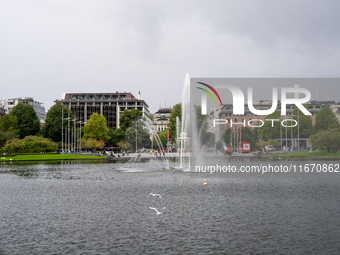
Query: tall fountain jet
[{"x": 185, "y": 121}]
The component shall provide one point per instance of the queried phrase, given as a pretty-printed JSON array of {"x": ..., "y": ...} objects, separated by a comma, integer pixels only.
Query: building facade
[
  {"x": 161, "y": 119},
  {"x": 110, "y": 105},
  {"x": 39, "y": 108},
  {"x": 2, "y": 112},
  {"x": 336, "y": 110}
]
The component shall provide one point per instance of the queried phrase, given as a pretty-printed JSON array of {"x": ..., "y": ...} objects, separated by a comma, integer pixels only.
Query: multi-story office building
[
  {"x": 110, "y": 105},
  {"x": 336, "y": 110},
  {"x": 161, "y": 119},
  {"x": 9, "y": 104}
]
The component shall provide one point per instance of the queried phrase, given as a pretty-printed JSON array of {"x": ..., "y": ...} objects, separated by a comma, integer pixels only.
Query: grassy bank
[
  {"x": 308, "y": 154},
  {"x": 43, "y": 157}
]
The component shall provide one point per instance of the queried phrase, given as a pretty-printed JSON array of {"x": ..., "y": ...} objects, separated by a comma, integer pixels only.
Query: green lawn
[
  {"x": 309, "y": 154},
  {"x": 40, "y": 157}
]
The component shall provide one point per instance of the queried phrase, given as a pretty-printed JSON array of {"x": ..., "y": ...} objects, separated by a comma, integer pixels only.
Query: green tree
[
  {"x": 254, "y": 134},
  {"x": 227, "y": 136},
  {"x": 143, "y": 137},
  {"x": 163, "y": 137},
  {"x": 329, "y": 139},
  {"x": 124, "y": 146},
  {"x": 176, "y": 112},
  {"x": 4, "y": 136},
  {"x": 53, "y": 122},
  {"x": 38, "y": 143},
  {"x": 274, "y": 142},
  {"x": 305, "y": 123},
  {"x": 14, "y": 144},
  {"x": 9, "y": 123},
  {"x": 246, "y": 134},
  {"x": 267, "y": 131},
  {"x": 262, "y": 144},
  {"x": 8, "y": 129},
  {"x": 96, "y": 128},
  {"x": 116, "y": 136},
  {"x": 28, "y": 121},
  {"x": 324, "y": 120},
  {"x": 128, "y": 117},
  {"x": 93, "y": 143}
]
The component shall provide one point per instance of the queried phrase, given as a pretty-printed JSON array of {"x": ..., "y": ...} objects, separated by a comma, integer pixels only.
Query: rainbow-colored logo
[{"x": 209, "y": 93}]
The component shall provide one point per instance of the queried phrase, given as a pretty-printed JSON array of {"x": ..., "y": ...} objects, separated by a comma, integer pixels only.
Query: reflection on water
[{"x": 77, "y": 207}]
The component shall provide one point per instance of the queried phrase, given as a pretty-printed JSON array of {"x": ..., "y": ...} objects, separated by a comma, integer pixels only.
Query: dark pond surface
[{"x": 103, "y": 208}]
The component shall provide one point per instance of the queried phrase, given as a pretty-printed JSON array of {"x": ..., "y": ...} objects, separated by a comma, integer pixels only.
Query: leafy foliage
[
  {"x": 227, "y": 136},
  {"x": 96, "y": 128},
  {"x": 325, "y": 119},
  {"x": 4, "y": 136},
  {"x": 176, "y": 111},
  {"x": 329, "y": 139},
  {"x": 305, "y": 126},
  {"x": 267, "y": 131},
  {"x": 53, "y": 122},
  {"x": 163, "y": 136},
  {"x": 143, "y": 137},
  {"x": 128, "y": 117},
  {"x": 124, "y": 146},
  {"x": 8, "y": 129},
  {"x": 9, "y": 123},
  {"x": 28, "y": 121},
  {"x": 116, "y": 136},
  {"x": 37, "y": 143},
  {"x": 93, "y": 143},
  {"x": 14, "y": 144}
]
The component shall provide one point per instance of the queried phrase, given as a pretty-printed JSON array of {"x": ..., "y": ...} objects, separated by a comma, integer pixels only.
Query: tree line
[
  {"x": 324, "y": 134},
  {"x": 21, "y": 128}
]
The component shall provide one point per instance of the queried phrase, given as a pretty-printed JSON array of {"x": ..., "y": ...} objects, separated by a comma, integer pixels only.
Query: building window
[{"x": 122, "y": 96}]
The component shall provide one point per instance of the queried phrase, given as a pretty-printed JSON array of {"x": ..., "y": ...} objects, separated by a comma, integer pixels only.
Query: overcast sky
[{"x": 50, "y": 47}]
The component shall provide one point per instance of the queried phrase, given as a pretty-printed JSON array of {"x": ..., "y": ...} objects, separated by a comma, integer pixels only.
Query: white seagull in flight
[
  {"x": 158, "y": 212},
  {"x": 151, "y": 194}
]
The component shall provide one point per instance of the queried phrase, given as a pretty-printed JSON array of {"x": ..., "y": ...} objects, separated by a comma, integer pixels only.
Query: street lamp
[
  {"x": 65, "y": 132},
  {"x": 136, "y": 136},
  {"x": 75, "y": 132},
  {"x": 80, "y": 122},
  {"x": 62, "y": 128}
]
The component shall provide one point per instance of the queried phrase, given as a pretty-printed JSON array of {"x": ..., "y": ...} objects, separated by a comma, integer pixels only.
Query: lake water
[{"x": 96, "y": 208}]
